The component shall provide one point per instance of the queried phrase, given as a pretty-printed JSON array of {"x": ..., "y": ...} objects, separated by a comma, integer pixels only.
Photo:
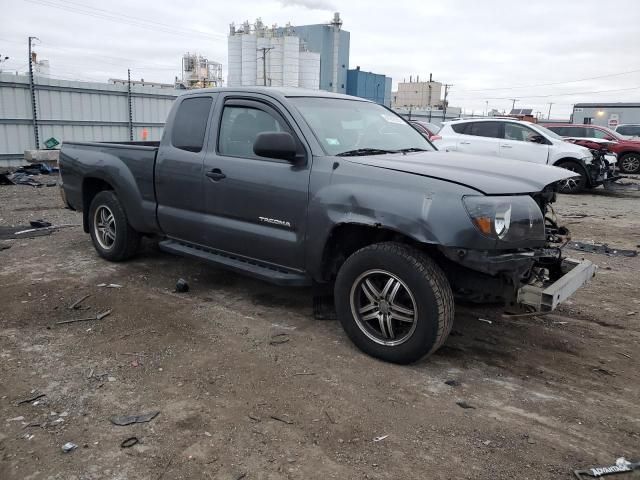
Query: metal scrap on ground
[
  {"x": 99, "y": 316},
  {"x": 601, "y": 248},
  {"x": 130, "y": 419}
]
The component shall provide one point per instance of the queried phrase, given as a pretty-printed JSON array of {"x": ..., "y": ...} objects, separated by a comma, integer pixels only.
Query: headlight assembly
[{"x": 509, "y": 219}]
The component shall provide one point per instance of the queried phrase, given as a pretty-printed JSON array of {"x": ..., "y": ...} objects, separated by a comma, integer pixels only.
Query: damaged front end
[{"x": 538, "y": 277}]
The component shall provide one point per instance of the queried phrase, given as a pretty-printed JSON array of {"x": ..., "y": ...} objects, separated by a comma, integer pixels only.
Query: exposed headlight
[
  {"x": 509, "y": 219},
  {"x": 587, "y": 158}
]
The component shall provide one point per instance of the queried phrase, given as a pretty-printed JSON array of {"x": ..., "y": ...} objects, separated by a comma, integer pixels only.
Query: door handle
[
  {"x": 465, "y": 143},
  {"x": 216, "y": 174},
  {"x": 506, "y": 146}
]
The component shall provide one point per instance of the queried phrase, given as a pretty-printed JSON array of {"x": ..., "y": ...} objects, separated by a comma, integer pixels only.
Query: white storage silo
[
  {"x": 249, "y": 59},
  {"x": 274, "y": 62},
  {"x": 309, "y": 75},
  {"x": 234, "y": 79},
  {"x": 291, "y": 61}
]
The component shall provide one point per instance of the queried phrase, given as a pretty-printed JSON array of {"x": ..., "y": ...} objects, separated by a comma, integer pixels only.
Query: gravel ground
[{"x": 549, "y": 394}]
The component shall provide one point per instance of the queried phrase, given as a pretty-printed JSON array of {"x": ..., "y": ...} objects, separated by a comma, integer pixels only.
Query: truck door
[
  {"x": 179, "y": 168},
  {"x": 517, "y": 144},
  {"x": 255, "y": 207}
]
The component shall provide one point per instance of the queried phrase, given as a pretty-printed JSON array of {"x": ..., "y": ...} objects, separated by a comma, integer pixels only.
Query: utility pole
[
  {"x": 129, "y": 105},
  {"x": 549, "y": 115},
  {"x": 486, "y": 110},
  {"x": 513, "y": 105},
  {"x": 32, "y": 88},
  {"x": 444, "y": 103},
  {"x": 264, "y": 63}
]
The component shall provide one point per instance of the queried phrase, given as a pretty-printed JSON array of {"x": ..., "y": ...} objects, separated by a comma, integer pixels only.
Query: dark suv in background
[{"x": 628, "y": 151}]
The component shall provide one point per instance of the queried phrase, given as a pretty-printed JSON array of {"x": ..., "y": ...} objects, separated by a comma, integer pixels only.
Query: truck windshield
[{"x": 351, "y": 127}]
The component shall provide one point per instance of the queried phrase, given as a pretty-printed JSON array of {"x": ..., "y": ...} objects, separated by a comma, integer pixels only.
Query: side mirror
[
  {"x": 280, "y": 145},
  {"x": 536, "y": 138}
]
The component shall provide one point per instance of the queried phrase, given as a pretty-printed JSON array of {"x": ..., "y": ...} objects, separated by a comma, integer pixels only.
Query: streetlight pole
[{"x": 549, "y": 114}]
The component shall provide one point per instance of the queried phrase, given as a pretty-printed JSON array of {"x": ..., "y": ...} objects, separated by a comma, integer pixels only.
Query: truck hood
[{"x": 489, "y": 175}]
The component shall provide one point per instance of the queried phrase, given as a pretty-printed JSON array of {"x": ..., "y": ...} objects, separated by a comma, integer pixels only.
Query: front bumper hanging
[{"x": 545, "y": 298}]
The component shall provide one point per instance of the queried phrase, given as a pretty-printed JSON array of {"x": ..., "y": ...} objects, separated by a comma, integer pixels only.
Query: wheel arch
[
  {"x": 575, "y": 161},
  {"x": 91, "y": 186},
  {"x": 346, "y": 238}
]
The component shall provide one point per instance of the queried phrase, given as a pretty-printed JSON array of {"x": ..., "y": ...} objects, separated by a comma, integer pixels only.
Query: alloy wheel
[
  {"x": 383, "y": 307},
  {"x": 104, "y": 227}
]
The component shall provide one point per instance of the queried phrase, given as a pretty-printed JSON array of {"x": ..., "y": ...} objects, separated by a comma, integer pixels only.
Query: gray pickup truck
[{"x": 305, "y": 188}]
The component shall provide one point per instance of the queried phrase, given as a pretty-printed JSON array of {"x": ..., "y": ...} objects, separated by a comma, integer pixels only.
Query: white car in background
[
  {"x": 630, "y": 131},
  {"x": 524, "y": 141}
]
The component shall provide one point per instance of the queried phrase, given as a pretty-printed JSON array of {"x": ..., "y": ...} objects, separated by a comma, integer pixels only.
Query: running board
[{"x": 259, "y": 270}]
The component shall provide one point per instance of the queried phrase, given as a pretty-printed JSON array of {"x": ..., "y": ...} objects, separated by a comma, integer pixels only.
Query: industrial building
[
  {"x": 417, "y": 94},
  {"x": 332, "y": 43},
  {"x": 372, "y": 86},
  {"x": 606, "y": 114},
  {"x": 308, "y": 56},
  {"x": 270, "y": 56},
  {"x": 199, "y": 72}
]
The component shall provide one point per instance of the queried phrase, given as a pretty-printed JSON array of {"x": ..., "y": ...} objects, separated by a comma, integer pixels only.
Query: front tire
[
  {"x": 574, "y": 184},
  {"x": 629, "y": 163},
  {"x": 112, "y": 236},
  {"x": 394, "y": 302}
]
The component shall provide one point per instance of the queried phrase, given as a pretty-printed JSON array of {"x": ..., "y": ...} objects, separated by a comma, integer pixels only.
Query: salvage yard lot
[{"x": 248, "y": 383}]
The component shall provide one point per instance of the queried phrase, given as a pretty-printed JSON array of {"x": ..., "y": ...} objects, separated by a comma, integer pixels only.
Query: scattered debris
[
  {"x": 75, "y": 305},
  {"x": 465, "y": 405},
  {"x": 129, "y": 442},
  {"x": 32, "y": 398},
  {"x": 254, "y": 418},
  {"x": 631, "y": 313},
  {"x": 8, "y": 233},
  {"x": 331, "y": 420},
  {"x": 524, "y": 315},
  {"x": 46, "y": 229},
  {"x": 304, "y": 373},
  {"x": 207, "y": 434},
  {"x": 15, "y": 419},
  {"x": 182, "y": 286},
  {"x": 99, "y": 316},
  {"x": 576, "y": 215},
  {"x": 130, "y": 419},
  {"x": 279, "y": 338},
  {"x": 453, "y": 383},
  {"x": 622, "y": 465},
  {"x": 109, "y": 285},
  {"x": 379, "y": 439},
  {"x": 485, "y": 320},
  {"x": 40, "y": 223},
  {"x": 604, "y": 371},
  {"x": 601, "y": 248},
  {"x": 240, "y": 476},
  {"x": 624, "y": 354},
  {"x": 281, "y": 419},
  {"x": 69, "y": 447}
]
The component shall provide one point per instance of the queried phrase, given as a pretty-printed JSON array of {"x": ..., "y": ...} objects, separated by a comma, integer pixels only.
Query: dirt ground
[{"x": 249, "y": 385}]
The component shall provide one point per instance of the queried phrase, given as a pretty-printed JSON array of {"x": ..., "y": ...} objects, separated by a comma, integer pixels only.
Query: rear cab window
[{"x": 190, "y": 123}]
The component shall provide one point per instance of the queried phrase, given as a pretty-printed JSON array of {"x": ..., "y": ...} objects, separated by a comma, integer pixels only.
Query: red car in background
[
  {"x": 427, "y": 129},
  {"x": 628, "y": 151}
]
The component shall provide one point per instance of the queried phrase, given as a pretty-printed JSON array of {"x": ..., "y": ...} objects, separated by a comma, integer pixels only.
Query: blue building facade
[
  {"x": 372, "y": 86},
  {"x": 320, "y": 38}
]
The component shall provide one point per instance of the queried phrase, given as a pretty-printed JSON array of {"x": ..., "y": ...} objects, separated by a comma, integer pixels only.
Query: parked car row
[
  {"x": 525, "y": 141},
  {"x": 628, "y": 151}
]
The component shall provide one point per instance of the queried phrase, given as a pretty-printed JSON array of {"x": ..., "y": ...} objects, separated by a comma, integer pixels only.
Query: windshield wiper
[
  {"x": 413, "y": 149},
  {"x": 365, "y": 151}
]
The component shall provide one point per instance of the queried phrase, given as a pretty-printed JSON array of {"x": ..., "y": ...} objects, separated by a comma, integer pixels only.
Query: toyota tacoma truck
[{"x": 310, "y": 188}]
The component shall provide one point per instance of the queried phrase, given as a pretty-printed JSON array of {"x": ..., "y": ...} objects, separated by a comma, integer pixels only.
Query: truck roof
[{"x": 278, "y": 92}]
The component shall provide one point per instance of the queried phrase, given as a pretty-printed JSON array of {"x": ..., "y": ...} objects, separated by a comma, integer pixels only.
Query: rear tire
[
  {"x": 629, "y": 163},
  {"x": 394, "y": 302},
  {"x": 573, "y": 185},
  {"x": 112, "y": 236}
]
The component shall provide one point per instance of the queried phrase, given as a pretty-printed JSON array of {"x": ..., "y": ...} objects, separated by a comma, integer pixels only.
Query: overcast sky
[{"x": 481, "y": 47}]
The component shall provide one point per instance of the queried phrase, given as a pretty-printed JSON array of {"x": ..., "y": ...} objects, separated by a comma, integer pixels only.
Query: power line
[
  {"x": 561, "y": 94},
  {"x": 120, "y": 18},
  {"x": 554, "y": 83}
]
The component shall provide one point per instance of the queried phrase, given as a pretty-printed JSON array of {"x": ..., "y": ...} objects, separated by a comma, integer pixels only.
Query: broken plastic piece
[{"x": 129, "y": 419}]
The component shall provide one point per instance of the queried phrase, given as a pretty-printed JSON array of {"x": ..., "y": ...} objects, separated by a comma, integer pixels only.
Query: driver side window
[
  {"x": 240, "y": 127},
  {"x": 514, "y": 131}
]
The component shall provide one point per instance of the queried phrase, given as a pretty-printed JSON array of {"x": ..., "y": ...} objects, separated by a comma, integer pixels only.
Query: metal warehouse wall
[
  {"x": 372, "y": 86},
  {"x": 77, "y": 111},
  {"x": 606, "y": 114}
]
